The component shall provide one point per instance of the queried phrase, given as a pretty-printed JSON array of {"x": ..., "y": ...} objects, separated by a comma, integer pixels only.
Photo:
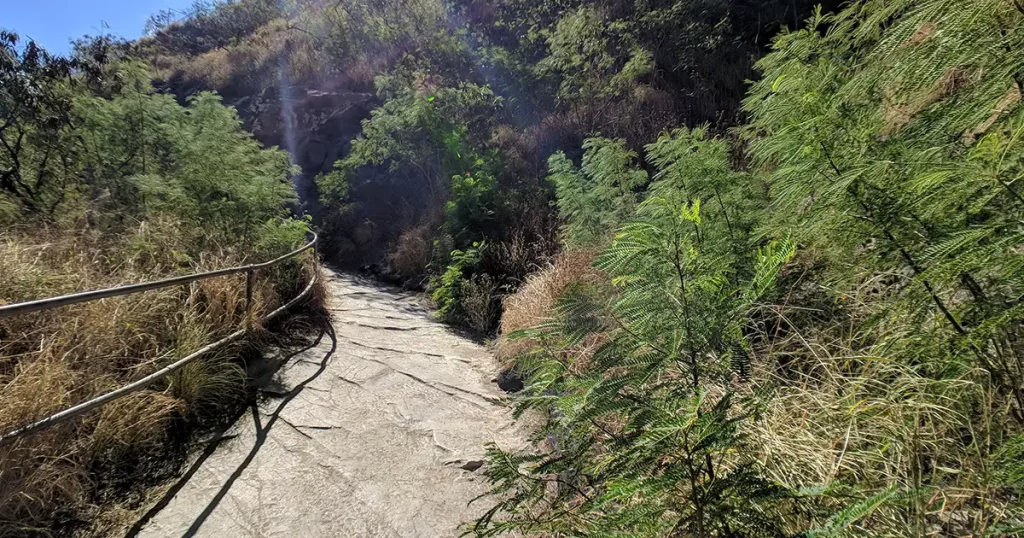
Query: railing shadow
[{"x": 261, "y": 438}]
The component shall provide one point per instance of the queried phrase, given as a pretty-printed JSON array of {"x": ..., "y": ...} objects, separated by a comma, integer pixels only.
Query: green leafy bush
[
  {"x": 595, "y": 198},
  {"x": 647, "y": 441},
  {"x": 450, "y": 286}
]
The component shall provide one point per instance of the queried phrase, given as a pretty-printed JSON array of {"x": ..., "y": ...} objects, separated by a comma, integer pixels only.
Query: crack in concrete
[
  {"x": 294, "y": 427},
  {"x": 320, "y": 427},
  {"x": 435, "y": 386},
  {"x": 392, "y": 350},
  {"x": 386, "y": 327}
]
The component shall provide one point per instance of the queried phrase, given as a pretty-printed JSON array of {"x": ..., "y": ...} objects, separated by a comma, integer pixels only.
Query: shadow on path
[{"x": 261, "y": 438}]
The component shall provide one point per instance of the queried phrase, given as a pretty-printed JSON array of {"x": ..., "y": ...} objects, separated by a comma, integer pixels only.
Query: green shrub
[
  {"x": 449, "y": 288},
  {"x": 648, "y": 440}
]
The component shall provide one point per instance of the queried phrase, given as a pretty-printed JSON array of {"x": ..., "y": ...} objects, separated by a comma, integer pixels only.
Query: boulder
[{"x": 510, "y": 381}]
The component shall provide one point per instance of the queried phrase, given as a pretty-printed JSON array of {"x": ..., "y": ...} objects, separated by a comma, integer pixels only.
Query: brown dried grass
[
  {"x": 535, "y": 301},
  {"x": 924, "y": 33},
  {"x": 411, "y": 254},
  {"x": 52, "y": 360},
  {"x": 899, "y": 110}
]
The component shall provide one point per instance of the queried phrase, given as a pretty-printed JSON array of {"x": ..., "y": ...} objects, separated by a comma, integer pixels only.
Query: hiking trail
[{"x": 377, "y": 429}]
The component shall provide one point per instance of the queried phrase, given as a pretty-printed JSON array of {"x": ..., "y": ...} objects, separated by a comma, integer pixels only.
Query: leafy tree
[
  {"x": 647, "y": 439},
  {"x": 35, "y": 119},
  {"x": 692, "y": 162},
  {"x": 221, "y": 176},
  {"x": 413, "y": 145},
  {"x": 91, "y": 134},
  {"x": 144, "y": 153},
  {"x": 598, "y": 196},
  {"x": 421, "y": 135},
  {"x": 583, "y": 53}
]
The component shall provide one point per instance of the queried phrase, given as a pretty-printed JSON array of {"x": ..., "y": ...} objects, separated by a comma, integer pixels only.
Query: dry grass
[
  {"x": 898, "y": 112},
  {"x": 844, "y": 413},
  {"x": 411, "y": 254},
  {"x": 871, "y": 424},
  {"x": 479, "y": 302},
  {"x": 845, "y": 409},
  {"x": 52, "y": 360},
  {"x": 535, "y": 301},
  {"x": 252, "y": 63},
  {"x": 924, "y": 33}
]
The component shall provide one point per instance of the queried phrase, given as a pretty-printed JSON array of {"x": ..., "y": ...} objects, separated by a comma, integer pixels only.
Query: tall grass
[
  {"x": 51, "y": 360},
  {"x": 534, "y": 303},
  {"x": 870, "y": 443}
]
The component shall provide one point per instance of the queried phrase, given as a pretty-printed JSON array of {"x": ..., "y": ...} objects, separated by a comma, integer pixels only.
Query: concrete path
[{"x": 377, "y": 430}]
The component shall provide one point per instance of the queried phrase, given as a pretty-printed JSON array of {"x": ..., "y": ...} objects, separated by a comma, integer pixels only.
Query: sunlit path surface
[{"x": 376, "y": 430}]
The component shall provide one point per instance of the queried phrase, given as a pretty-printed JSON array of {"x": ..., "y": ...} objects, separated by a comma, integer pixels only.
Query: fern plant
[
  {"x": 647, "y": 441},
  {"x": 596, "y": 197}
]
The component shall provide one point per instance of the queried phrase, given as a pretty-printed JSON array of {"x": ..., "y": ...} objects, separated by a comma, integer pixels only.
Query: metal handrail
[
  {"x": 88, "y": 405},
  {"x": 50, "y": 303}
]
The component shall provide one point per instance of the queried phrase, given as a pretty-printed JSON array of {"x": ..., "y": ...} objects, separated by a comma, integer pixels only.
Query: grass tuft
[{"x": 55, "y": 359}]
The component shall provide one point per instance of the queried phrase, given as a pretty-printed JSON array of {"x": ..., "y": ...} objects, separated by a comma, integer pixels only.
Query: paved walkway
[{"x": 377, "y": 430}]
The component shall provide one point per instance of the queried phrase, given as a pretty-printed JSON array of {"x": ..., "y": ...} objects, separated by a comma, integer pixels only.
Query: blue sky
[{"x": 53, "y": 23}]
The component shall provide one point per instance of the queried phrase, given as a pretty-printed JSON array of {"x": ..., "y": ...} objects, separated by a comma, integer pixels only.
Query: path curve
[{"x": 377, "y": 430}]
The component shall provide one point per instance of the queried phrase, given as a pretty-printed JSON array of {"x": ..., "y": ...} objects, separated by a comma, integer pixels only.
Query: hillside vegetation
[
  {"x": 759, "y": 262},
  {"x": 104, "y": 182}
]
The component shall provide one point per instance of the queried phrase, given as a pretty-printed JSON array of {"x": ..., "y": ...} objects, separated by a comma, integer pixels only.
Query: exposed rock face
[{"x": 315, "y": 126}]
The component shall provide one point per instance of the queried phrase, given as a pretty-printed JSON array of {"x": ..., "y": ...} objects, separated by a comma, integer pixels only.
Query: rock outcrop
[{"x": 316, "y": 126}]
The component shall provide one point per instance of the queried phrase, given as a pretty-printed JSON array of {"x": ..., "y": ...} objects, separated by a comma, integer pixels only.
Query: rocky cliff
[{"x": 316, "y": 126}]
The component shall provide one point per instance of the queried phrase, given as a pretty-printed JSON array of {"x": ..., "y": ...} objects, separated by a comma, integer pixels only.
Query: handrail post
[
  {"x": 316, "y": 259},
  {"x": 55, "y": 302},
  {"x": 248, "y": 299}
]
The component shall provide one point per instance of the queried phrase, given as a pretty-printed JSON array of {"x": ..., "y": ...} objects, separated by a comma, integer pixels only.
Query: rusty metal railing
[{"x": 65, "y": 300}]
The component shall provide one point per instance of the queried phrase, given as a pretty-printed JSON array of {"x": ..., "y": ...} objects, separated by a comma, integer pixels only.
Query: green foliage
[
  {"x": 470, "y": 208},
  {"x": 899, "y": 128},
  {"x": 887, "y": 137},
  {"x": 422, "y": 136},
  {"x": 117, "y": 153},
  {"x": 448, "y": 289},
  {"x": 584, "y": 53},
  {"x": 146, "y": 154},
  {"x": 598, "y": 196},
  {"x": 1010, "y": 462},
  {"x": 278, "y": 236},
  {"x": 351, "y": 29},
  {"x": 334, "y": 187},
  {"x": 643, "y": 445},
  {"x": 35, "y": 121},
  {"x": 689, "y": 161},
  {"x": 648, "y": 433}
]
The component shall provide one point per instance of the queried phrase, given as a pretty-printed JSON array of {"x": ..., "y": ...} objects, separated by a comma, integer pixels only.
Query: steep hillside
[
  {"x": 304, "y": 75},
  {"x": 784, "y": 307},
  {"x": 759, "y": 262}
]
